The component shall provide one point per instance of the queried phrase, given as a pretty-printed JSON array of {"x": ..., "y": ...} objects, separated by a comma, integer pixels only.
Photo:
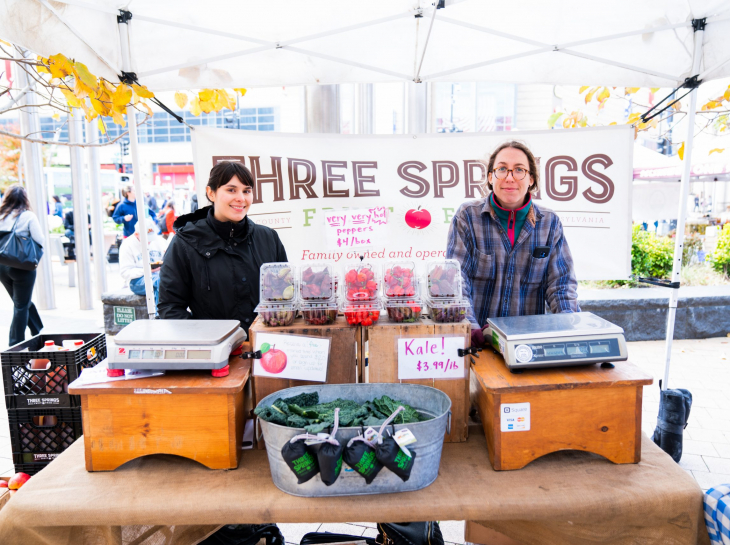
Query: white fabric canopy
[{"x": 189, "y": 44}]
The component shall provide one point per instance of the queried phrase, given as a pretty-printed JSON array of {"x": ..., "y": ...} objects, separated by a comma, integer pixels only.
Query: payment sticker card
[{"x": 515, "y": 416}]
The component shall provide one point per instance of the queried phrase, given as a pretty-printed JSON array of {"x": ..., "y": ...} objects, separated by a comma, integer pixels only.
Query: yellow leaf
[
  {"x": 726, "y": 96},
  {"x": 583, "y": 122},
  {"x": 147, "y": 109},
  {"x": 122, "y": 95},
  {"x": 6, "y": 43},
  {"x": 633, "y": 117},
  {"x": 206, "y": 94},
  {"x": 118, "y": 118},
  {"x": 99, "y": 106},
  {"x": 716, "y": 150},
  {"x": 680, "y": 151},
  {"x": 71, "y": 99},
  {"x": 206, "y": 106},
  {"x": 603, "y": 95},
  {"x": 241, "y": 91},
  {"x": 80, "y": 71},
  {"x": 580, "y": 91},
  {"x": 110, "y": 89},
  {"x": 589, "y": 96},
  {"x": 181, "y": 99},
  {"x": 59, "y": 66},
  {"x": 567, "y": 122},
  {"x": 220, "y": 100},
  {"x": 81, "y": 90},
  {"x": 90, "y": 112},
  {"x": 195, "y": 107},
  {"x": 142, "y": 91},
  {"x": 56, "y": 116},
  {"x": 655, "y": 89},
  {"x": 677, "y": 106},
  {"x": 631, "y": 90},
  {"x": 102, "y": 127},
  {"x": 42, "y": 69},
  {"x": 612, "y": 123},
  {"x": 643, "y": 126}
]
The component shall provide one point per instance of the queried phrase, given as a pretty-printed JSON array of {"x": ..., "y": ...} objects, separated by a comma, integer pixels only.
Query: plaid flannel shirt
[
  {"x": 717, "y": 514},
  {"x": 501, "y": 280}
]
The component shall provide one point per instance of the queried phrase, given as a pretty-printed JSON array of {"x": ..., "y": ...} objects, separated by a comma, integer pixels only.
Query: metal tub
[{"x": 429, "y": 440}]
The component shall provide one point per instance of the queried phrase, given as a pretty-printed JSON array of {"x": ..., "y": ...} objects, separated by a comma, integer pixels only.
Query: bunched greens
[{"x": 305, "y": 411}]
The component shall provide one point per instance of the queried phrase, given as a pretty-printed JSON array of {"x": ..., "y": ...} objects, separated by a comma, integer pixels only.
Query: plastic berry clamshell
[
  {"x": 361, "y": 282},
  {"x": 444, "y": 279},
  {"x": 404, "y": 310},
  {"x": 277, "y": 282},
  {"x": 317, "y": 283},
  {"x": 448, "y": 310},
  {"x": 277, "y": 314},
  {"x": 400, "y": 280},
  {"x": 319, "y": 313},
  {"x": 361, "y": 313}
]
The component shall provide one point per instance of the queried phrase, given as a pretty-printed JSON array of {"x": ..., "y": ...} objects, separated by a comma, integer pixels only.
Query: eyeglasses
[{"x": 518, "y": 173}]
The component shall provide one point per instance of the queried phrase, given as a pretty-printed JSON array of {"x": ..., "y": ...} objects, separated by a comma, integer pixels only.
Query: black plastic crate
[
  {"x": 29, "y": 435},
  {"x": 28, "y": 389},
  {"x": 30, "y": 469}
]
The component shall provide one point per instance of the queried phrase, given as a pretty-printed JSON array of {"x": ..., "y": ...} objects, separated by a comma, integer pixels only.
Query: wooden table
[
  {"x": 186, "y": 413},
  {"x": 585, "y": 408},
  {"x": 571, "y": 498}
]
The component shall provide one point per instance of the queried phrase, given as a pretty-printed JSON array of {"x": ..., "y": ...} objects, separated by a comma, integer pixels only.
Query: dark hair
[
  {"x": 15, "y": 198},
  {"x": 532, "y": 164},
  {"x": 222, "y": 173},
  {"x": 57, "y": 198}
]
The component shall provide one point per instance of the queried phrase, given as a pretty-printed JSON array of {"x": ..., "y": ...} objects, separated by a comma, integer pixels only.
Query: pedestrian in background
[
  {"x": 126, "y": 211},
  {"x": 15, "y": 211},
  {"x": 58, "y": 207}
]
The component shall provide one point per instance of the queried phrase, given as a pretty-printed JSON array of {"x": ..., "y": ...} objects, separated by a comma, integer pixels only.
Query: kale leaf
[{"x": 303, "y": 400}]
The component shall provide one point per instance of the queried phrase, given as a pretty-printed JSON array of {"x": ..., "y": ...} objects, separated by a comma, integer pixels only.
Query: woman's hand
[{"x": 128, "y": 217}]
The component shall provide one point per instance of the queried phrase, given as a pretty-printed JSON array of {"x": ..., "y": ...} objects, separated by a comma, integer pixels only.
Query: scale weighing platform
[
  {"x": 557, "y": 340},
  {"x": 175, "y": 344}
]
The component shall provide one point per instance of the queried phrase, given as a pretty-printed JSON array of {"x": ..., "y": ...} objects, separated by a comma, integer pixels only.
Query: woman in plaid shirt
[{"x": 513, "y": 254}]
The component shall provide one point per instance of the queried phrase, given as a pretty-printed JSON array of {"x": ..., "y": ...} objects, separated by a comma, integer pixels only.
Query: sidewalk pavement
[{"x": 701, "y": 366}]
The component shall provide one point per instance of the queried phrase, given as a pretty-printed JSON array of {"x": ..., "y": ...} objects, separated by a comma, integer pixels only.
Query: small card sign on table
[
  {"x": 430, "y": 358},
  {"x": 292, "y": 357},
  {"x": 356, "y": 229}
]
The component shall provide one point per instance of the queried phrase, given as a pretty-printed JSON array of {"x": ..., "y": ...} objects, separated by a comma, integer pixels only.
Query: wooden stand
[
  {"x": 344, "y": 362},
  {"x": 571, "y": 408},
  {"x": 383, "y": 364},
  {"x": 186, "y": 413}
]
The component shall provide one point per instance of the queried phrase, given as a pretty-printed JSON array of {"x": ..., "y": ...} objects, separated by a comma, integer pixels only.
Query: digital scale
[
  {"x": 175, "y": 344},
  {"x": 557, "y": 340}
]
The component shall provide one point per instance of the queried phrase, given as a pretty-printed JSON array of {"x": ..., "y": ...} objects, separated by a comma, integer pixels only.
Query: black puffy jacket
[{"x": 212, "y": 268}]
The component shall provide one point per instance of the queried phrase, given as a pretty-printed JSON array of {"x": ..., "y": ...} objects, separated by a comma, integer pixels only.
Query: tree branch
[{"x": 69, "y": 144}]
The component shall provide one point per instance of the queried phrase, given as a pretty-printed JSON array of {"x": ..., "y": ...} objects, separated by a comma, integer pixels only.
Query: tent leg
[
  {"x": 97, "y": 221},
  {"x": 682, "y": 213},
  {"x": 134, "y": 145},
  {"x": 81, "y": 211}
]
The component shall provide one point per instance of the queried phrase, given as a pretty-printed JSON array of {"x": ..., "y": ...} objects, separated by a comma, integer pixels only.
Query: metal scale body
[
  {"x": 175, "y": 344},
  {"x": 557, "y": 340}
]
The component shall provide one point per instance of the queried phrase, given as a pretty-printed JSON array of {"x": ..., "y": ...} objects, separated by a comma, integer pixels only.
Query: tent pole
[
  {"x": 32, "y": 153},
  {"x": 134, "y": 145},
  {"x": 97, "y": 221},
  {"x": 81, "y": 211},
  {"x": 682, "y": 212}
]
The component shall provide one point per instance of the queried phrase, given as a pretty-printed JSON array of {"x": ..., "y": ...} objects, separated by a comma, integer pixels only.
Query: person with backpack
[{"x": 15, "y": 212}]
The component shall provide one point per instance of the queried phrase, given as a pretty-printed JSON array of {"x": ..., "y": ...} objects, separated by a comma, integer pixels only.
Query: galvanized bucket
[{"x": 429, "y": 440}]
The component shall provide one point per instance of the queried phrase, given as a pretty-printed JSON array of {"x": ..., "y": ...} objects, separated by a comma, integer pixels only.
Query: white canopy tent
[{"x": 185, "y": 44}]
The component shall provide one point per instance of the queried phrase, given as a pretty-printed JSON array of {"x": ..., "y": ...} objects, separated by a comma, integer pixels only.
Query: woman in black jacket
[{"x": 211, "y": 269}]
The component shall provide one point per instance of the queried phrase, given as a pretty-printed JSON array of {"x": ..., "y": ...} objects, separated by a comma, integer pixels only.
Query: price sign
[
  {"x": 356, "y": 229},
  {"x": 430, "y": 358},
  {"x": 292, "y": 357}
]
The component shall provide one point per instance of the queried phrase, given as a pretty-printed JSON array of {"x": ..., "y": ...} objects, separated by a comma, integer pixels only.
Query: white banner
[{"x": 586, "y": 177}]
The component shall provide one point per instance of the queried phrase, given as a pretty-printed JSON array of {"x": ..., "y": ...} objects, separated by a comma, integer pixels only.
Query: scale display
[{"x": 175, "y": 344}]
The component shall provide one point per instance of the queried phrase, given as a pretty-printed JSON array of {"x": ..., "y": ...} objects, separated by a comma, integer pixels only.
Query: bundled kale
[{"x": 305, "y": 411}]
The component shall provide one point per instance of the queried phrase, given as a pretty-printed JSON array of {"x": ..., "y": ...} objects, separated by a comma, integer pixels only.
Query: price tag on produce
[
  {"x": 430, "y": 358},
  {"x": 292, "y": 357},
  {"x": 356, "y": 229}
]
